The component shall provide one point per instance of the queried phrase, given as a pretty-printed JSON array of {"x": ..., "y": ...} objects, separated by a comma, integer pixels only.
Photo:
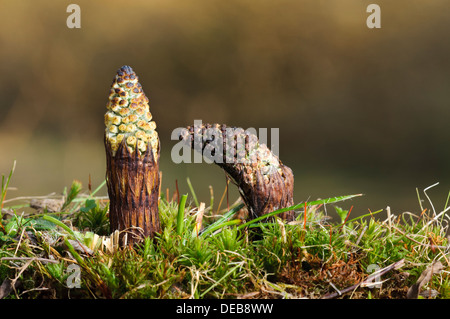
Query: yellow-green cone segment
[{"x": 128, "y": 117}]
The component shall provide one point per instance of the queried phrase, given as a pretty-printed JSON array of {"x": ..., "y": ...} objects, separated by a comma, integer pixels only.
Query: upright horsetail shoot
[{"x": 132, "y": 156}]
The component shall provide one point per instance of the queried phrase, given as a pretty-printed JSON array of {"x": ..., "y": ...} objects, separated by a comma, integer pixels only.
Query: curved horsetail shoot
[{"x": 265, "y": 184}]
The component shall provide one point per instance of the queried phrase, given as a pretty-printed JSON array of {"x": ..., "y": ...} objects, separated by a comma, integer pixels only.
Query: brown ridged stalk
[
  {"x": 265, "y": 184},
  {"x": 132, "y": 158}
]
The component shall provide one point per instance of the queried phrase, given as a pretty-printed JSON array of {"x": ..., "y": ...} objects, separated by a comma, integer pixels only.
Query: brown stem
[{"x": 133, "y": 188}]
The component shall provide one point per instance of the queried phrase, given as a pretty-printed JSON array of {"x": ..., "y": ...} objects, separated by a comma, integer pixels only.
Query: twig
[
  {"x": 223, "y": 196},
  {"x": 388, "y": 210},
  {"x": 339, "y": 293},
  {"x": 20, "y": 239},
  {"x": 34, "y": 289},
  {"x": 304, "y": 219},
  {"x": 369, "y": 279},
  {"x": 435, "y": 218},
  {"x": 194, "y": 196},
  {"x": 361, "y": 235},
  {"x": 199, "y": 219},
  {"x": 418, "y": 242},
  {"x": 22, "y": 269},
  {"x": 33, "y": 197},
  {"x": 45, "y": 260}
]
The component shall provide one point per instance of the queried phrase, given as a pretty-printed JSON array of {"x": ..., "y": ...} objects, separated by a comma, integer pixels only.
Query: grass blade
[
  {"x": 218, "y": 226},
  {"x": 192, "y": 191},
  {"x": 180, "y": 215},
  {"x": 5, "y": 185},
  {"x": 331, "y": 200},
  {"x": 98, "y": 188},
  {"x": 223, "y": 219},
  {"x": 72, "y": 251},
  {"x": 224, "y": 276},
  {"x": 313, "y": 203},
  {"x": 60, "y": 224},
  {"x": 365, "y": 215}
]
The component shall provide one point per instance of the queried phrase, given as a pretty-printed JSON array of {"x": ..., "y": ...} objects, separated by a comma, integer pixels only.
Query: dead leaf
[
  {"x": 6, "y": 288},
  {"x": 414, "y": 291},
  {"x": 199, "y": 220},
  {"x": 52, "y": 205},
  {"x": 429, "y": 293}
]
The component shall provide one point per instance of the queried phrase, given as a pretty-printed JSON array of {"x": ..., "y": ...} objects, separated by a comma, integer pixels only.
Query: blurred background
[{"x": 359, "y": 110}]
